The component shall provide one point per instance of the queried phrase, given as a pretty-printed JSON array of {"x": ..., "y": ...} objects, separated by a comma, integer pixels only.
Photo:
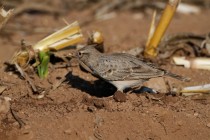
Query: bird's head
[
  {"x": 87, "y": 56},
  {"x": 86, "y": 53}
]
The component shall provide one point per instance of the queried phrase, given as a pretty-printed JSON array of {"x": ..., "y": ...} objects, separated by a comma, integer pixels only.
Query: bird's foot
[{"x": 145, "y": 89}]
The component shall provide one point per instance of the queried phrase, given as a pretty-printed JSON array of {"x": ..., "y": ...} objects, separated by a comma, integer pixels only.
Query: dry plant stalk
[
  {"x": 195, "y": 63},
  {"x": 67, "y": 36},
  {"x": 196, "y": 90},
  {"x": 152, "y": 28},
  {"x": 168, "y": 13},
  {"x": 4, "y": 16}
]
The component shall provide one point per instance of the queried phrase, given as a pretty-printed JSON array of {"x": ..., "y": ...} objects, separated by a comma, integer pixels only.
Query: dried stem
[
  {"x": 23, "y": 74},
  {"x": 168, "y": 13}
]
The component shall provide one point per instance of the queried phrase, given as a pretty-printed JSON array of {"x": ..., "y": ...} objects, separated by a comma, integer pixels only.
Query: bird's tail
[{"x": 181, "y": 78}]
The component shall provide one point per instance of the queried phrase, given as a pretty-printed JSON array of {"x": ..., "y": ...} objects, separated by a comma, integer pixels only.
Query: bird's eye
[{"x": 79, "y": 54}]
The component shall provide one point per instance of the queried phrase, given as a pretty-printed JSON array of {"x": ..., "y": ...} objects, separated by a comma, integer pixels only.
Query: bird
[{"x": 120, "y": 69}]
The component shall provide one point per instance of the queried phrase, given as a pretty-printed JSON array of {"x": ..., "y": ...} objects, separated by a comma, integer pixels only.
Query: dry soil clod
[{"x": 119, "y": 96}]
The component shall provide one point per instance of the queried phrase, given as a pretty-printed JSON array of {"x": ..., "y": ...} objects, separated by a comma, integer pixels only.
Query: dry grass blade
[
  {"x": 4, "y": 16},
  {"x": 2, "y": 88},
  {"x": 152, "y": 28}
]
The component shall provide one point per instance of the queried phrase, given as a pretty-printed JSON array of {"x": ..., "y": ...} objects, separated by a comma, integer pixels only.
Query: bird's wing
[{"x": 125, "y": 67}]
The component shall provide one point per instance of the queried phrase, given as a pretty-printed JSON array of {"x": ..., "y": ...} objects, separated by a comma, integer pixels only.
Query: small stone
[
  {"x": 40, "y": 96},
  {"x": 2, "y": 88},
  {"x": 179, "y": 123},
  {"x": 26, "y": 135},
  {"x": 208, "y": 125},
  {"x": 91, "y": 108},
  {"x": 4, "y": 107},
  {"x": 99, "y": 103},
  {"x": 119, "y": 96},
  {"x": 68, "y": 131},
  {"x": 138, "y": 16},
  {"x": 132, "y": 97},
  {"x": 196, "y": 114},
  {"x": 15, "y": 124},
  {"x": 27, "y": 127}
]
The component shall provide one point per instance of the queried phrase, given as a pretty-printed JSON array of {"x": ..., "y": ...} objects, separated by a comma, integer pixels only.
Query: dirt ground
[{"x": 83, "y": 106}]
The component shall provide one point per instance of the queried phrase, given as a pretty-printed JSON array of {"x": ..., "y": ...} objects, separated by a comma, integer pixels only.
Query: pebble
[
  {"x": 138, "y": 16},
  {"x": 208, "y": 125},
  {"x": 179, "y": 123},
  {"x": 91, "y": 108},
  {"x": 4, "y": 107},
  {"x": 26, "y": 135},
  {"x": 196, "y": 114},
  {"x": 68, "y": 131},
  {"x": 119, "y": 96}
]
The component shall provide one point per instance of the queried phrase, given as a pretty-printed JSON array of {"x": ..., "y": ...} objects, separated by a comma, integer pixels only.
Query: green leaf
[{"x": 44, "y": 58}]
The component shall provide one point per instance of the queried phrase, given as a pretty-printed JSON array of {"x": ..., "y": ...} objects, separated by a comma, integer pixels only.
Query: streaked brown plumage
[{"x": 120, "y": 69}]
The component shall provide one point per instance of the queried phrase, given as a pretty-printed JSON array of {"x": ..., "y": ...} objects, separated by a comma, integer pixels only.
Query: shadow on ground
[{"x": 98, "y": 88}]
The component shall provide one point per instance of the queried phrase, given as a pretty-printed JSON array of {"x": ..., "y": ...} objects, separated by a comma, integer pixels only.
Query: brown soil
[{"x": 83, "y": 107}]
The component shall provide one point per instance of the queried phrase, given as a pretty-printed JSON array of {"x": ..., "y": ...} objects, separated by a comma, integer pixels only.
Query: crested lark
[{"x": 120, "y": 69}]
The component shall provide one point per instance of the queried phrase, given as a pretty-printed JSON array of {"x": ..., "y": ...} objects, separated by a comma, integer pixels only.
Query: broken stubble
[
  {"x": 67, "y": 36},
  {"x": 194, "y": 63}
]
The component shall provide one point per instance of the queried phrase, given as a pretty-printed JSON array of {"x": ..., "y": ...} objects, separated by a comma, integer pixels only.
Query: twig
[
  {"x": 58, "y": 83},
  {"x": 163, "y": 127},
  {"x": 24, "y": 75},
  {"x": 181, "y": 36},
  {"x": 108, "y": 7},
  {"x": 151, "y": 97},
  {"x": 35, "y": 6},
  {"x": 20, "y": 122},
  {"x": 11, "y": 28}
]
